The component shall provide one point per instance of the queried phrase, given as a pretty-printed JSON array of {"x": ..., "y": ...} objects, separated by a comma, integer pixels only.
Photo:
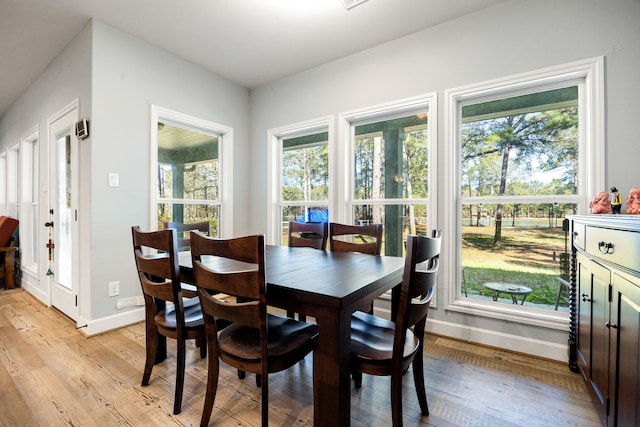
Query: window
[
  {"x": 390, "y": 170},
  {"x": 300, "y": 167},
  {"x": 192, "y": 173},
  {"x": 525, "y": 155},
  {"x": 29, "y": 202},
  {"x": 13, "y": 181}
]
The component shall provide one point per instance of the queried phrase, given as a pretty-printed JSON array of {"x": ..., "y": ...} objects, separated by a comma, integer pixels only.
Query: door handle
[
  {"x": 48, "y": 224},
  {"x": 585, "y": 298},
  {"x": 611, "y": 325}
]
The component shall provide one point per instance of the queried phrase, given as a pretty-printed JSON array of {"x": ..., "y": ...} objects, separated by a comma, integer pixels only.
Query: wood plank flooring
[{"x": 53, "y": 375}]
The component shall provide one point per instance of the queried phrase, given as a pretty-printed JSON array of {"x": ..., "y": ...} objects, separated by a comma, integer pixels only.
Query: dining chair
[
  {"x": 159, "y": 273},
  {"x": 388, "y": 348},
  {"x": 366, "y": 239},
  {"x": 309, "y": 235},
  {"x": 183, "y": 231},
  {"x": 255, "y": 341}
]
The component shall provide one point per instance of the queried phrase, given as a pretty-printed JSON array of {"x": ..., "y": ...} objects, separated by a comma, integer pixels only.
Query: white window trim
[
  {"x": 274, "y": 162},
  {"x": 29, "y": 199},
  {"x": 591, "y": 131},
  {"x": 225, "y": 155}
]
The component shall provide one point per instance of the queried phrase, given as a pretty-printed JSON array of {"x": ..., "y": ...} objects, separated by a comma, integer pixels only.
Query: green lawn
[{"x": 529, "y": 256}]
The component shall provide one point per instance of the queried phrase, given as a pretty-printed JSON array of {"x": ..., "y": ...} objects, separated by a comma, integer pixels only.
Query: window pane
[
  {"x": 397, "y": 220},
  {"x": 188, "y": 164},
  {"x": 519, "y": 146},
  {"x": 305, "y": 168},
  {"x": 300, "y": 214},
  {"x": 189, "y": 213},
  {"x": 533, "y": 254},
  {"x": 391, "y": 159}
]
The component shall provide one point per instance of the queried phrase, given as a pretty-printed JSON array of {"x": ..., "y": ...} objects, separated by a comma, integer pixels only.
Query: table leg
[{"x": 331, "y": 374}]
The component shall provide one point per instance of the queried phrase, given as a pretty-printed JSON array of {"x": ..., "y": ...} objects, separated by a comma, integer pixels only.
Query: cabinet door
[
  {"x": 625, "y": 338},
  {"x": 593, "y": 335}
]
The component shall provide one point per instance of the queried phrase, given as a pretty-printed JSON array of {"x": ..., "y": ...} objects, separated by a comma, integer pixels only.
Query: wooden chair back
[
  {"x": 366, "y": 239},
  {"x": 157, "y": 264},
  {"x": 239, "y": 273},
  {"x": 418, "y": 283},
  {"x": 183, "y": 231},
  {"x": 308, "y": 234}
]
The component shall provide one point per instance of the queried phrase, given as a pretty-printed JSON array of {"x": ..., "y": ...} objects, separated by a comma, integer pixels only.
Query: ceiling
[{"x": 250, "y": 42}]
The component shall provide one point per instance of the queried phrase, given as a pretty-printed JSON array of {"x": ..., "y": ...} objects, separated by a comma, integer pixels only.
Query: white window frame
[
  {"x": 274, "y": 158},
  {"x": 225, "y": 147},
  {"x": 13, "y": 181},
  {"x": 3, "y": 183},
  {"x": 349, "y": 120},
  {"x": 589, "y": 75},
  {"x": 29, "y": 201}
]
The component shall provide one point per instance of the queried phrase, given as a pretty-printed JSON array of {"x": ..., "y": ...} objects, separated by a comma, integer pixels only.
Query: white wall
[
  {"x": 67, "y": 78},
  {"x": 117, "y": 78},
  {"x": 129, "y": 76},
  {"x": 510, "y": 38}
]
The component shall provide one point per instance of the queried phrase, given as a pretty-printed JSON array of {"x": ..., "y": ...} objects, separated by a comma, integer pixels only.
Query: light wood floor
[{"x": 53, "y": 375}]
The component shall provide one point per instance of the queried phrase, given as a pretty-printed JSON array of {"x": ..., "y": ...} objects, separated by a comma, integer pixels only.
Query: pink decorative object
[
  {"x": 601, "y": 204},
  {"x": 633, "y": 202}
]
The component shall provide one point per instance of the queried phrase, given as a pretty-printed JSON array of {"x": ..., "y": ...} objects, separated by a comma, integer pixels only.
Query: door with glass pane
[{"x": 61, "y": 222}]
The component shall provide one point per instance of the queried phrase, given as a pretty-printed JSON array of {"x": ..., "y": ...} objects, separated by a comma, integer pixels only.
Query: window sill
[{"x": 512, "y": 313}]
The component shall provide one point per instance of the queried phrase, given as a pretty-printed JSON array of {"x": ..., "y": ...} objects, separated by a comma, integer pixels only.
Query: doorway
[{"x": 61, "y": 225}]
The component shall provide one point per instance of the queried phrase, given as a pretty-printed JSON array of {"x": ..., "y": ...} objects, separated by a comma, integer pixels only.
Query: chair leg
[
  {"x": 265, "y": 398},
  {"x": 258, "y": 380},
  {"x": 418, "y": 379},
  {"x": 212, "y": 387},
  {"x": 152, "y": 348},
  {"x": 357, "y": 378},
  {"x": 202, "y": 341},
  {"x": 177, "y": 402},
  {"x": 396, "y": 400},
  {"x": 241, "y": 374}
]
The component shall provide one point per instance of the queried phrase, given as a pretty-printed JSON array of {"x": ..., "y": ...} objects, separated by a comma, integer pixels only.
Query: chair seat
[
  {"x": 372, "y": 339},
  {"x": 192, "y": 315},
  {"x": 285, "y": 336}
]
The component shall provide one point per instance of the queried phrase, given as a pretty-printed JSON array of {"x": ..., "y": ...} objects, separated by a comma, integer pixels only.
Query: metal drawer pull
[{"x": 605, "y": 248}]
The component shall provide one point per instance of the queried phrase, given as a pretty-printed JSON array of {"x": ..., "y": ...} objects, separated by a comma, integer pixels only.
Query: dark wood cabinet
[{"x": 606, "y": 276}]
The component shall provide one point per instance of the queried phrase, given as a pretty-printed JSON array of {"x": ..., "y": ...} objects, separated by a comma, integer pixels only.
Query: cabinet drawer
[{"x": 617, "y": 246}]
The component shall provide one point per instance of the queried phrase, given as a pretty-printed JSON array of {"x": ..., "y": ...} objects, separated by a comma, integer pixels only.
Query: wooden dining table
[{"x": 329, "y": 286}]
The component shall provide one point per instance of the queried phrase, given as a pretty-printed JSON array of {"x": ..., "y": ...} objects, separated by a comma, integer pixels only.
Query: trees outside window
[
  {"x": 304, "y": 179},
  {"x": 391, "y": 172}
]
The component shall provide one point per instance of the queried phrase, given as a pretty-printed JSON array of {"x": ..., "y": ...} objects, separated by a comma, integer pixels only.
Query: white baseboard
[
  {"x": 545, "y": 349},
  {"x": 104, "y": 324},
  {"x": 35, "y": 291},
  {"x": 534, "y": 347}
]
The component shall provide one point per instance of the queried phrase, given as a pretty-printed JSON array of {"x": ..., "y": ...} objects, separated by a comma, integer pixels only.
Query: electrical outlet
[{"x": 114, "y": 289}]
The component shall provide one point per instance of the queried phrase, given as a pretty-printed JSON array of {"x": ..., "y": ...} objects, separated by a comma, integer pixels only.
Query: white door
[{"x": 61, "y": 225}]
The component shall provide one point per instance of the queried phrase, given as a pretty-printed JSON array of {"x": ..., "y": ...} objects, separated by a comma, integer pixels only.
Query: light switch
[{"x": 114, "y": 179}]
